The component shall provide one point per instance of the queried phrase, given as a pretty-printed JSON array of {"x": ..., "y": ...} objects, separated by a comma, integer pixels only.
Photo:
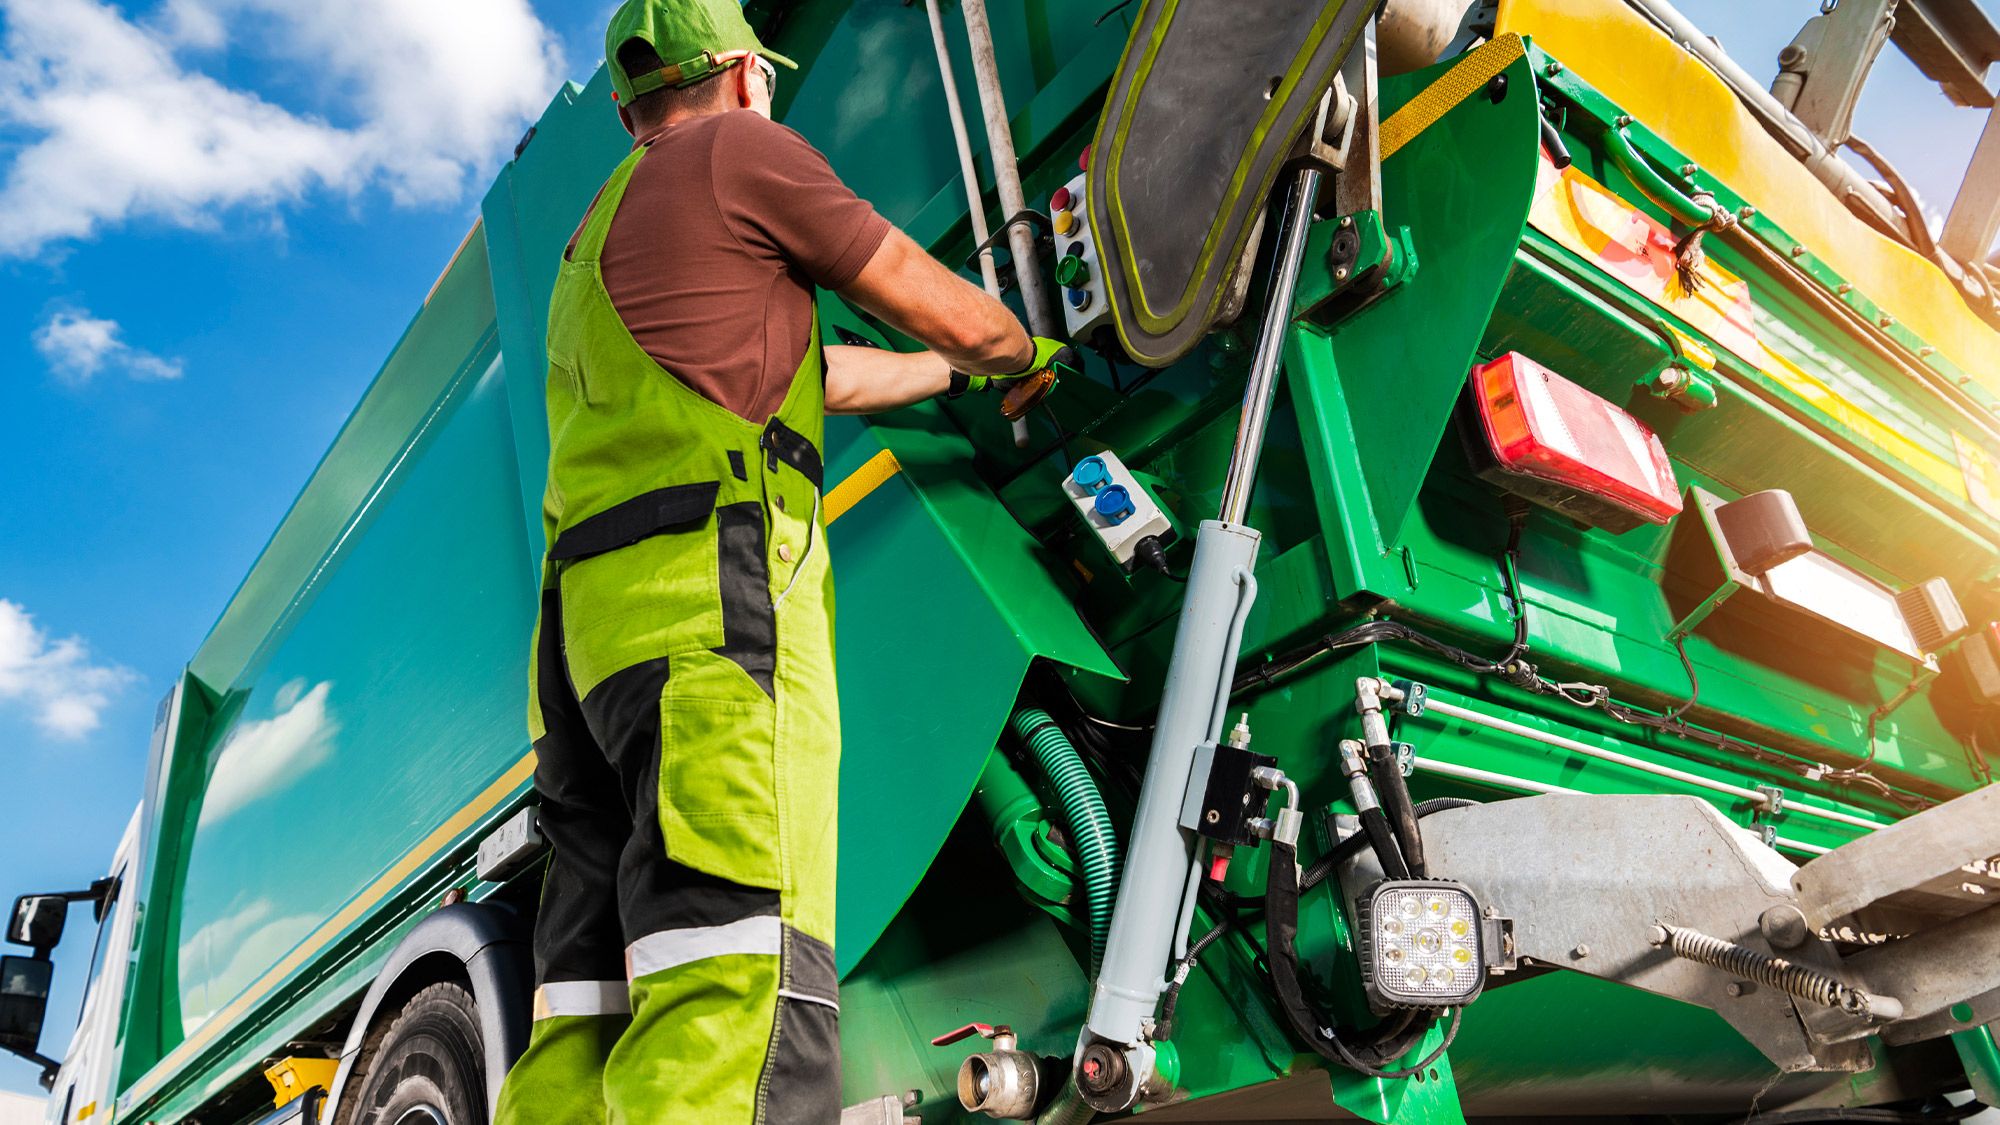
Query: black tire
[{"x": 430, "y": 1067}]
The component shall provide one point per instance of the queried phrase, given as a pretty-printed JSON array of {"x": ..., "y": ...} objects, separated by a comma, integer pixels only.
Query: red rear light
[{"x": 1560, "y": 446}]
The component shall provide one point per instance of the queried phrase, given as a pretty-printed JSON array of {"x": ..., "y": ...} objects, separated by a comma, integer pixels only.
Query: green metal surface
[
  {"x": 376, "y": 651},
  {"x": 1981, "y": 1057}
]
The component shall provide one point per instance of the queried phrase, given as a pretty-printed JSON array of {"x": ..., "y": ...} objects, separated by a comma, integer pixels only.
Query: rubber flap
[{"x": 1206, "y": 105}]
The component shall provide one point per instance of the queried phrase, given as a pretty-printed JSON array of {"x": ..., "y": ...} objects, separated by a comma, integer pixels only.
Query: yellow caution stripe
[
  {"x": 873, "y": 474},
  {"x": 1467, "y": 78}
]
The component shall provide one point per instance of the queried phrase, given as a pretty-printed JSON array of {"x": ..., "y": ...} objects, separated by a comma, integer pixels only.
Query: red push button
[{"x": 1060, "y": 200}]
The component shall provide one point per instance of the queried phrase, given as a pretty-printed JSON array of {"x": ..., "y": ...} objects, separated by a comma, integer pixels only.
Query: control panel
[
  {"x": 1085, "y": 306},
  {"x": 1117, "y": 506}
]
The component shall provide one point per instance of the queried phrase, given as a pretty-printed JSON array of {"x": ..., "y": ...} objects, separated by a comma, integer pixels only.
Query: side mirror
[
  {"x": 38, "y": 921},
  {"x": 24, "y": 1002}
]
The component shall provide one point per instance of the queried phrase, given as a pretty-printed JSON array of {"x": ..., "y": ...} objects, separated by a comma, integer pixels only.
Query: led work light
[{"x": 1421, "y": 945}]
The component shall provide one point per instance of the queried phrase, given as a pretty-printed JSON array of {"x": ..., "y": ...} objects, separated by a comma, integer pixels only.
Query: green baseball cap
[{"x": 688, "y": 35}]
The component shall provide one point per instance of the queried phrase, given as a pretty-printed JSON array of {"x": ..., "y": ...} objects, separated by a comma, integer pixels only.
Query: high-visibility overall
[{"x": 683, "y": 710}]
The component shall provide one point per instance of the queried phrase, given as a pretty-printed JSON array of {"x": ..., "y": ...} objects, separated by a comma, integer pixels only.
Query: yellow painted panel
[
  {"x": 1614, "y": 49},
  {"x": 1588, "y": 218}
]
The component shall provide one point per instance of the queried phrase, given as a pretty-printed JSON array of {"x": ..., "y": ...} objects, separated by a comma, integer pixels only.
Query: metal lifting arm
[{"x": 1116, "y": 1063}]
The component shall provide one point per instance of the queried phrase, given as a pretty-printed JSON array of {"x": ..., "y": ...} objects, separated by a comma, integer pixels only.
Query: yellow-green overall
[{"x": 687, "y": 731}]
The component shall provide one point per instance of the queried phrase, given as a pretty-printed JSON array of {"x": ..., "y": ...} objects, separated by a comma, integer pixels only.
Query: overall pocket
[
  {"x": 652, "y": 591},
  {"x": 718, "y": 771}
]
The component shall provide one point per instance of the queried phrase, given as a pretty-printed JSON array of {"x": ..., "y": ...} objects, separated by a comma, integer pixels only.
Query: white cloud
[
  {"x": 264, "y": 755},
  {"x": 62, "y": 688},
  {"x": 78, "y": 346},
  {"x": 116, "y": 123}
]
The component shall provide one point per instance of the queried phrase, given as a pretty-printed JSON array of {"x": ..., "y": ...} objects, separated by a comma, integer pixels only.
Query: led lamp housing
[
  {"x": 1422, "y": 945},
  {"x": 1553, "y": 443}
]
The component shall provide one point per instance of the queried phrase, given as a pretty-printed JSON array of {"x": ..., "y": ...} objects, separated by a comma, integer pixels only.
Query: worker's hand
[
  {"x": 1053, "y": 356},
  {"x": 1026, "y": 390}
]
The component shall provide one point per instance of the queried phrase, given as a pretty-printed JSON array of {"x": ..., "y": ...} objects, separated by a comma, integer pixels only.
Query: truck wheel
[{"x": 429, "y": 1068}]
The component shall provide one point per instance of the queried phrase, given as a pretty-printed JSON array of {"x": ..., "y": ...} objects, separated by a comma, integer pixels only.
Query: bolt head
[
  {"x": 1885, "y": 320},
  {"x": 1580, "y": 952},
  {"x": 1212, "y": 816},
  {"x": 1844, "y": 288},
  {"x": 1735, "y": 988},
  {"x": 1798, "y": 251},
  {"x": 1340, "y": 274},
  {"x": 1784, "y": 926},
  {"x": 1746, "y": 212}
]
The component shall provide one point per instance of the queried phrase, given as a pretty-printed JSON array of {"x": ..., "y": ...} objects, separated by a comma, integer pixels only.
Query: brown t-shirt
[{"x": 728, "y": 223}]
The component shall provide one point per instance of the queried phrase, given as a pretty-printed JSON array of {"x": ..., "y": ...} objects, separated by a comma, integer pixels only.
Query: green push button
[{"x": 1072, "y": 272}]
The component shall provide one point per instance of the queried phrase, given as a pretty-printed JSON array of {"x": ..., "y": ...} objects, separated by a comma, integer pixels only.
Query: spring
[{"x": 1795, "y": 980}]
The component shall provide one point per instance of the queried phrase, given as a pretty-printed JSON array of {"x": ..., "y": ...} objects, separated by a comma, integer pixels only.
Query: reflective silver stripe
[
  {"x": 671, "y": 948},
  {"x": 583, "y": 998},
  {"x": 820, "y": 1000}
]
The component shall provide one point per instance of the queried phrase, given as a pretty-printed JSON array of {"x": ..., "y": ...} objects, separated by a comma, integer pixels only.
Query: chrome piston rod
[
  {"x": 1262, "y": 388},
  {"x": 1115, "y": 1062}
]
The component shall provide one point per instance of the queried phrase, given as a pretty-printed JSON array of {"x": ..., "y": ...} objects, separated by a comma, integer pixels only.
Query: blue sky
[{"x": 216, "y": 217}]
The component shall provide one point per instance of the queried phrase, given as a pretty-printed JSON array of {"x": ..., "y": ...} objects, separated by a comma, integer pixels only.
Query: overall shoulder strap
[{"x": 596, "y": 225}]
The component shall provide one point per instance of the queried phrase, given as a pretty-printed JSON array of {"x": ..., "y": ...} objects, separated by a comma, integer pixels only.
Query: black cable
[
  {"x": 1524, "y": 676},
  {"x": 1111, "y": 11},
  {"x": 1062, "y": 435},
  {"x": 1154, "y": 554},
  {"x": 1281, "y": 924},
  {"x": 1694, "y": 683},
  {"x": 1346, "y": 849},
  {"x": 1858, "y": 1114},
  {"x": 1517, "y": 523},
  {"x": 1165, "y": 1028}
]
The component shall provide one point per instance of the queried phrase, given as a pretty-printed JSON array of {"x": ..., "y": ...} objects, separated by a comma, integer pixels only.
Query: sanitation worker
[{"x": 682, "y": 706}]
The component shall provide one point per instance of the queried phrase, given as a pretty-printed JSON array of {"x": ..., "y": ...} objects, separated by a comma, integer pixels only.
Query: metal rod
[
  {"x": 975, "y": 204},
  {"x": 1757, "y": 797},
  {"x": 1509, "y": 781},
  {"x": 1007, "y": 178},
  {"x": 1263, "y": 383}
]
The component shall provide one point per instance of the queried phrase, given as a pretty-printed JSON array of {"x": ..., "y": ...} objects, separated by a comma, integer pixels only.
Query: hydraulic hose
[
  {"x": 1399, "y": 809},
  {"x": 1069, "y": 1108},
  {"x": 1084, "y": 816}
]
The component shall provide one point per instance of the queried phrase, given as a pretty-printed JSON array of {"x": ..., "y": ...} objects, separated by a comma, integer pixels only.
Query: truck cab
[{"x": 80, "y": 1085}]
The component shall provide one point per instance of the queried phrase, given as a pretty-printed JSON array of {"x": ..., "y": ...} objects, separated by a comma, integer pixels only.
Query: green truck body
[{"x": 352, "y": 728}]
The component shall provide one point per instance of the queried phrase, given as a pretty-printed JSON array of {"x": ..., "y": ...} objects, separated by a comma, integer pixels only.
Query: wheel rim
[{"x": 422, "y": 1115}]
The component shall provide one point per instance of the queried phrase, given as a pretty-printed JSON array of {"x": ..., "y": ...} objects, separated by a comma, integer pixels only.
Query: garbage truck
[{"x": 1501, "y": 627}]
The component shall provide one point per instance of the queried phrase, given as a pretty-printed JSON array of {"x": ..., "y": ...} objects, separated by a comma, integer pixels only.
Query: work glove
[
  {"x": 1024, "y": 389},
  {"x": 1054, "y": 356}
]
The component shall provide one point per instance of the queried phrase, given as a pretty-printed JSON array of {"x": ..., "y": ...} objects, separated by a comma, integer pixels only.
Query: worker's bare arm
[
  {"x": 871, "y": 380},
  {"x": 927, "y": 302}
]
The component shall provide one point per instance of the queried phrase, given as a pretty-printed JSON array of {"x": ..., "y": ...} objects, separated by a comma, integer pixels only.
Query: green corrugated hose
[{"x": 1084, "y": 815}]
